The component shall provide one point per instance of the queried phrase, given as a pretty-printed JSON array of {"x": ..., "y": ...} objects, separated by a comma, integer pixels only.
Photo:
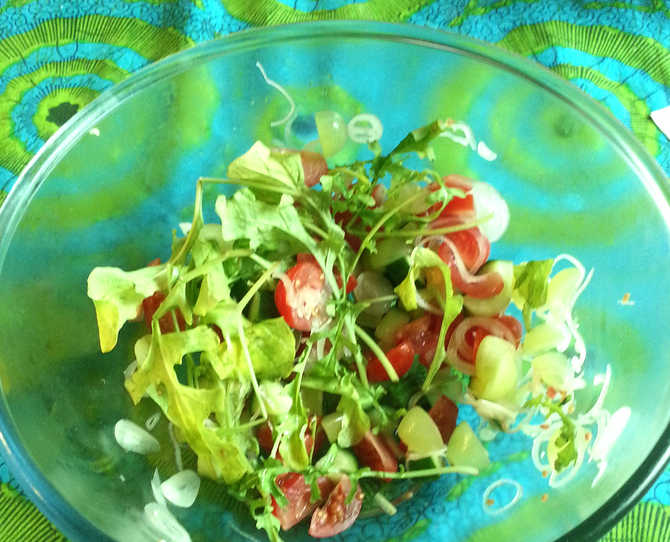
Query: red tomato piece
[
  {"x": 458, "y": 206},
  {"x": 336, "y": 516},
  {"x": 150, "y": 306},
  {"x": 444, "y": 413},
  {"x": 314, "y": 165},
  {"x": 373, "y": 452},
  {"x": 479, "y": 286},
  {"x": 265, "y": 437},
  {"x": 299, "y": 495},
  {"x": 514, "y": 326},
  {"x": 473, "y": 247},
  {"x": 308, "y": 257},
  {"x": 301, "y": 302},
  {"x": 473, "y": 337},
  {"x": 421, "y": 334},
  {"x": 400, "y": 356}
]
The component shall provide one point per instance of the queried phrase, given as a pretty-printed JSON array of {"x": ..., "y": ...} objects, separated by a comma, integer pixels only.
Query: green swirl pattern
[{"x": 56, "y": 57}]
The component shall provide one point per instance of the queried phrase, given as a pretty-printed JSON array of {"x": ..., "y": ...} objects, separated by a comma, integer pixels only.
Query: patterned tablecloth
[{"x": 56, "y": 56}]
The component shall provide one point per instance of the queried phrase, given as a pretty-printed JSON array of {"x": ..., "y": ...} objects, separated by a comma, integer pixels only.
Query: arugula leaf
[
  {"x": 562, "y": 450},
  {"x": 417, "y": 141},
  {"x": 399, "y": 393},
  {"x": 117, "y": 296},
  {"x": 565, "y": 445}
]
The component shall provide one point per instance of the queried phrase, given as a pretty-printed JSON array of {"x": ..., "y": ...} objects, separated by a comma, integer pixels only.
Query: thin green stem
[
  {"x": 419, "y": 473},
  {"x": 256, "y": 286},
  {"x": 388, "y": 367}
]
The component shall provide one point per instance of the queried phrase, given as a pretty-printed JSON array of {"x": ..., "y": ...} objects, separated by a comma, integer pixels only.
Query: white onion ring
[{"x": 495, "y": 485}]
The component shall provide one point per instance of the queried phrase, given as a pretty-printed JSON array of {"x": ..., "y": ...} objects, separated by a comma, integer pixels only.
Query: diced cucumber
[
  {"x": 332, "y": 425},
  {"x": 312, "y": 400},
  {"x": 388, "y": 251},
  {"x": 345, "y": 462},
  {"x": 419, "y": 432},
  {"x": 262, "y": 306},
  {"x": 464, "y": 449},
  {"x": 371, "y": 285},
  {"x": 496, "y": 371},
  {"x": 553, "y": 368},
  {"x": 498, "y": 303},
  {"x": 541, "y": 338},
  {"x": 397, "y": 270},
  {"x": 392, "y": 321}
]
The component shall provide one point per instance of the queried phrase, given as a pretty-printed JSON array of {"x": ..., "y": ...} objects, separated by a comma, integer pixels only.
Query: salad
[{"x": 314, "y": 348}]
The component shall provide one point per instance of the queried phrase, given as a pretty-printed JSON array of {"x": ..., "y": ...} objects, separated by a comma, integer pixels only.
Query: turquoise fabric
[{"x": 56, "y": 56}]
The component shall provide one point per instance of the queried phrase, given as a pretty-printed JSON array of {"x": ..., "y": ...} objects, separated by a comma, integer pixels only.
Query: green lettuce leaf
[
  {"x": 221, "y": 453},
  {"x": 355, "y": 422},
  {"x": 270, "y": 343},
  {"x": 117, "y": 296},
  {"x": 531, "y": 282},
  {"x": 273, "y": 166}
]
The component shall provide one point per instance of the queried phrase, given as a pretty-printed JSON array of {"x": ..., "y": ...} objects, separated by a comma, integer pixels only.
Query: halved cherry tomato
[
  {"x": 314, "y": 165},
  {"x": 457, "y": 206},
  {"x": 373, "y": 452},
  {"x": 473, "y": 247},
  {"x": 299, "y": 496},
  {"x": 150, "y": 306},
  {"x": 336, "y": 515},
  {"x": 444, "y": 413},
  {"x": 400, "y": 356},
  {"x": 302, "y": 302},
  {"x": 422, "y": 334},
  {"x": 475, "y": 336},
  {"x": 307, "y": 257}
]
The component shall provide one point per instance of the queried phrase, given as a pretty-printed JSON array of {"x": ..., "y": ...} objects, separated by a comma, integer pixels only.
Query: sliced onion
[
  {"x": 477, "y": 286},
  {"x": 489, "y": 203},
  {"x": 156, "y": 488},
  {"x": 365, "y": 128},
  {"x": 182, "y": 488},
  {"x": 133, "y": 438},
  {"x": 486, "y": 497},
  {"x": 162, "y": 521}
]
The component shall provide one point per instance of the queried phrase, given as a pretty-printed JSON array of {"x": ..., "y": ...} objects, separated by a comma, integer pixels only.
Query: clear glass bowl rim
[{"x": 41, "y": 492}]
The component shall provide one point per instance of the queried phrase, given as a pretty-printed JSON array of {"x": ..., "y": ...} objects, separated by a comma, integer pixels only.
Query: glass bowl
[{"x": 112, "y": 184}]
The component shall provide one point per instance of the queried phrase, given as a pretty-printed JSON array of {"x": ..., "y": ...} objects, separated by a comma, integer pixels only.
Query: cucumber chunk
[
  {"x": 465, "y": 449},
  {"x": 498, "y": 303},
  {"x": 496, "y": 371}
]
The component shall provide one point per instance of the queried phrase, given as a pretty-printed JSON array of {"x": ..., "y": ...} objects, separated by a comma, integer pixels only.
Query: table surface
[{"x": 56, "y": 56}]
